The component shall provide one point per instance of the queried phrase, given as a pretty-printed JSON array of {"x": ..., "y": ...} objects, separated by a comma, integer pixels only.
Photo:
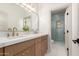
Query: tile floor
[{"x": 57, "y": 49}]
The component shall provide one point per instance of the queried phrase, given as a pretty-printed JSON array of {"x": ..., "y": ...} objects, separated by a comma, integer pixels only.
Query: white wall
[{"x": 44, "y": 18}]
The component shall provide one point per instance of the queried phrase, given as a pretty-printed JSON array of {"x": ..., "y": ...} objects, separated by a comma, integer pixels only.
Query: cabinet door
[
  {"x": 26, "y": 52},
  {"x": 1, "y": 51},
  {"x": 38, "y": 47},
  {"x": 44, "y": 45}
]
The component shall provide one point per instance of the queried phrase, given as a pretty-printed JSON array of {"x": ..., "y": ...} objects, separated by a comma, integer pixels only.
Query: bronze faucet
[
  {"x": 10, "y": 30},
  {"x": 13, "y": 30}
]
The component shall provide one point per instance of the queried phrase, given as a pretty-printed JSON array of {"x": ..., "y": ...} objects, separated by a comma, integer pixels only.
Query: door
[
  {"x": 71, "y": 29},
  {"x": 75, "y": 29},
  {"x": 68, "y": 30}
]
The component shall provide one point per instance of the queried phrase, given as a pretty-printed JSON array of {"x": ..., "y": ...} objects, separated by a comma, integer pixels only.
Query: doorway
[
  {"x": 58, "y": 26},
  {"x": 58, "y": 31}
]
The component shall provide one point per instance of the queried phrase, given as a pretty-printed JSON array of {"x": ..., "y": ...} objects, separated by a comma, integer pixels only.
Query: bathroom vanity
[
  {"x": 25, "y": 20},
  {"x": 33, "y": 45}
]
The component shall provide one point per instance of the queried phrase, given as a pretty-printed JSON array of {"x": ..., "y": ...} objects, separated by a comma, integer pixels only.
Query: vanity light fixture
[{"x": 27, "y": 7}]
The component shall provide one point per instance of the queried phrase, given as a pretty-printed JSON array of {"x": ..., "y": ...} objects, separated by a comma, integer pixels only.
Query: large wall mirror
[{"x": 15, "y": 15}]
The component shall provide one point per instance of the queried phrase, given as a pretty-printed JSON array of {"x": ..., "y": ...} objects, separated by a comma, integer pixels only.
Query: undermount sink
[
  {"x": 11, "y": 37},
  {"x": 14, "y": 37}
]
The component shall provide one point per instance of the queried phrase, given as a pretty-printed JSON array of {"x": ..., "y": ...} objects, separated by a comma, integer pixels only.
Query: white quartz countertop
[{"x": 4, "y": 41}]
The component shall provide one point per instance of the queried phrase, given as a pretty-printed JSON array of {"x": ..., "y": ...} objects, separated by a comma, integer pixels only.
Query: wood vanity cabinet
[{"x": 33, "y": 47}]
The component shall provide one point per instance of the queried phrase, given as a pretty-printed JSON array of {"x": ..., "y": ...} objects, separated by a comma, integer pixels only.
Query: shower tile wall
[{"x": 57, "y": 22}]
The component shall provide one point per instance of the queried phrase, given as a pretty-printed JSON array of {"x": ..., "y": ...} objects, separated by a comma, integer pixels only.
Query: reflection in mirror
[
  {"x": 26, "y": 24},
  {"x": 14, "y": 15},
  {"x": 3, "y": 21}
]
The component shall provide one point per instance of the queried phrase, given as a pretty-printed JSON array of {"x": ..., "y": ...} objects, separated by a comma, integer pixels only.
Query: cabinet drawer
[
  {"x": 16, "y": 48},
  {"x": 26, "y": 52}
]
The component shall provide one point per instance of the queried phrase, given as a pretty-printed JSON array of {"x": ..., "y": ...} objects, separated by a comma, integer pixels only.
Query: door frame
[{"x": 50, "y": 22}]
